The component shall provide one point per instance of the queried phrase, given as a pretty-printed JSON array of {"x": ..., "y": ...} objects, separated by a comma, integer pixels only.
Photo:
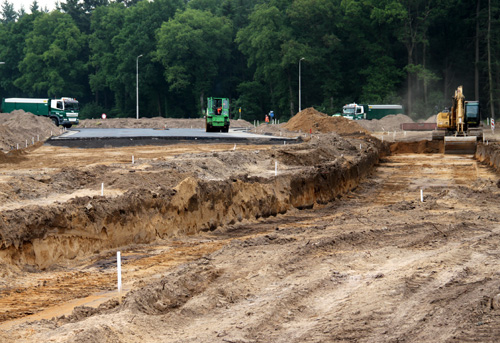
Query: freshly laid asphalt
[{"x": 103, "y": 137}]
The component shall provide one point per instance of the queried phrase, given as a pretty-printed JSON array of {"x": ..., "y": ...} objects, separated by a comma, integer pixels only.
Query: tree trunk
[
  {"x": 291, "y": 96},
  {"x": 158, "y": 102},
  {"x": 490, "y": 78},
  {"x": 497, "y": 82},
  {"x": 202, "y": 103},
  {"x": 445, "y": 84},
  {"x": 271, "y": 91},
  {"x": 425, "y": 80},
  {"x": 409, "y": 94},
  {"x": 476, "y": 62}
]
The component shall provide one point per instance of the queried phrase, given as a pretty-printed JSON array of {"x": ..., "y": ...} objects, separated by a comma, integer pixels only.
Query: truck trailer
[
  {"x": 357, "y": 111},
  {"x": 63, "y": 111}
]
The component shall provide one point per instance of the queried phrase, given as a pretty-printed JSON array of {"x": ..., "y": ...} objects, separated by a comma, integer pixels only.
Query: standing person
[{"x": 267, "y": 119}]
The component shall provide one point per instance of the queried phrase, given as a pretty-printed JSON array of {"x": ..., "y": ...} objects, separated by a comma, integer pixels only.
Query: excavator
[{"x": 460, "y": 126}]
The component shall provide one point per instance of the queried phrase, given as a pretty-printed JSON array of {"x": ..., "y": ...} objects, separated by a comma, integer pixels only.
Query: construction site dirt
[{"x": 341, "y": 238}]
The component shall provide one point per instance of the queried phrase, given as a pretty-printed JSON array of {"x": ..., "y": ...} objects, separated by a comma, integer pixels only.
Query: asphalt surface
[{"x": 104, "y": 137}]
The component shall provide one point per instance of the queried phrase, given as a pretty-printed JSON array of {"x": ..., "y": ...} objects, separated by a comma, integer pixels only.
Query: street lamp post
[
  {"x": 137, "y": 85},
  {"x": 300, "y": 98}
]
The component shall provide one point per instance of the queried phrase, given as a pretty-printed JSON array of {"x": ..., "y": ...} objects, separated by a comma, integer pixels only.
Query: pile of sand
[
  {"x": 310, "y": 120},
  {"x": 390, "y": 122},
  {"x": 18, "y": 127},
  {"x": 431, "y": 119},
  {"x": 155, "y": 123}
]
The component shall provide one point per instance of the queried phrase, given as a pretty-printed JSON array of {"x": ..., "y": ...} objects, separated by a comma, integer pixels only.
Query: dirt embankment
[
  {"x": 315, "y": 172},
  {"x": 489, "y": 154},
  {"x": 419, "y": 147},
  {"x": 18, "y": 129}
]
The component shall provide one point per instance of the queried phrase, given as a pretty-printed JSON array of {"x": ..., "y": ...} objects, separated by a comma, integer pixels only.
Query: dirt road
[{"x": 378, "y": 265}]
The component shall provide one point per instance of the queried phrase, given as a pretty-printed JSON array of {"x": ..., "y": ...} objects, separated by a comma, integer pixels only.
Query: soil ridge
[{"x": 43, "y": 236}]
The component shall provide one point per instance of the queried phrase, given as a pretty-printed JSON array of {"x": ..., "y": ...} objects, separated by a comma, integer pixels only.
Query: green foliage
[
  {"x": 81, "y": 11},
  {"x": 52, "y": 65},
  {"x": 8, "y": 14},
  {"x": 382, "y": 78},
  {"x": 106, "y": 24},
  {"x": 390, "y": 51},
  {"x": 91, "y": 110},
  {"x": 191, "y": 46},
  {"x": 253, "y": 100},
  {"x": 265, "y": 41},
  {"x": 12, "y": 40}
]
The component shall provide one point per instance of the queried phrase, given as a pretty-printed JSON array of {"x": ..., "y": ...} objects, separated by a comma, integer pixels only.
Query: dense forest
[{"x": 410, "y": 52}]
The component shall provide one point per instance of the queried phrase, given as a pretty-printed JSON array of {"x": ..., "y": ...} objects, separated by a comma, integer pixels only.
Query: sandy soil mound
[
  {"x": 155, "y": 123},
  {"x": 431, "y": 119},
  {"x": 312, "y": 120},
  {"x": 18, "y": 127},
  {"x": 391, "y": 122}
]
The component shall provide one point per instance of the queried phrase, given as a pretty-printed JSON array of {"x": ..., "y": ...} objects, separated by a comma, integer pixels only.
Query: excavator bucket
[{"x": 460, "y": 145}]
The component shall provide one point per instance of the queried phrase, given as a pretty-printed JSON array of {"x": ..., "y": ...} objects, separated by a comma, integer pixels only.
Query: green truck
[
  {"x": 357, "y": 111},
  {"x": 63, "y": 111},
  {"x": 217, "y": 115}
]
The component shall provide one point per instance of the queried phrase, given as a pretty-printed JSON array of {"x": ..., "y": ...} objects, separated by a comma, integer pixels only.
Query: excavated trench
[{"x": 40, "y": 237}]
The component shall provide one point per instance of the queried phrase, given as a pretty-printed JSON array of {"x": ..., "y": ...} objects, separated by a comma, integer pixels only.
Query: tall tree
[
  {"x": 9, "y": 15},
  {"x": 107, "y": 21},
  {"x": 81, "y": 11},
  {"x": 191, "y": 46},
  {"x": 34, "y": 7},
  {"x": 13, "y": 43},
  {"x": 52, "y": 65},
  {"x": 321, "y": 47},
  {"x": 138, "y": 37},
  {"x": 262, "y": 41}
]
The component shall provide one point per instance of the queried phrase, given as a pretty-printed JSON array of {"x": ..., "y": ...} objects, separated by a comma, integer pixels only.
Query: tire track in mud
[
  {"x": 387, "y": 312},
  {"x": 377, "y": 281},
  {"x": 401, "y": 308}
]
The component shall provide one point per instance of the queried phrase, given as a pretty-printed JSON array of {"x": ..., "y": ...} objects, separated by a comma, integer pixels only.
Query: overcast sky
[{"x": 50, "y": 4}]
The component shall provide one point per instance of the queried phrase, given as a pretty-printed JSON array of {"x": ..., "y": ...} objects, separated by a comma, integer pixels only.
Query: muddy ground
[{"x": 337, "y": 247}]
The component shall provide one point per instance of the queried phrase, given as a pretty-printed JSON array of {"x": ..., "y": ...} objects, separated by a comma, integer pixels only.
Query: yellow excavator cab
[{"x": 444, "y": 120}]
